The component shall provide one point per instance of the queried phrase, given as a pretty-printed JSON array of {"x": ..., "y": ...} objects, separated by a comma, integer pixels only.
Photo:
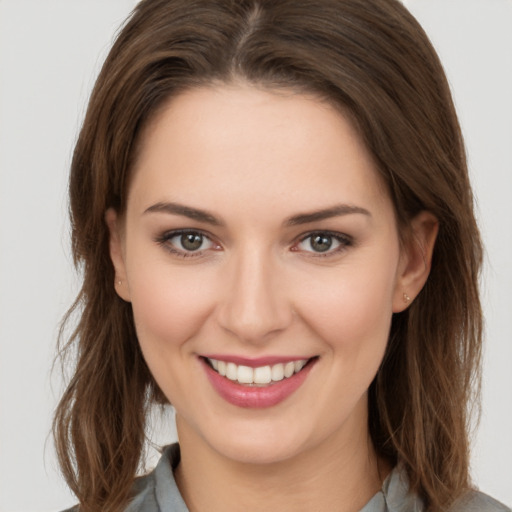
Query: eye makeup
[{"x": 187, "y": 243}]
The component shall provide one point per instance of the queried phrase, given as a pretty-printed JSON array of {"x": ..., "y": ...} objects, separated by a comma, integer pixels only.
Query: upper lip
[{"x": 257, "y": 361}]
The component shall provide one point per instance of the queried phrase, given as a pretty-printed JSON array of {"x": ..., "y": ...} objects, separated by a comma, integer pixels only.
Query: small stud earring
[
  {"x": 407, "y": 299},
  {"x": 119, "y": 283}
]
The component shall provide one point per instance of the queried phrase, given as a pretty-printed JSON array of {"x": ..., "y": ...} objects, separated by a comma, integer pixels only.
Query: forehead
[{"x": 235, "y": 145}]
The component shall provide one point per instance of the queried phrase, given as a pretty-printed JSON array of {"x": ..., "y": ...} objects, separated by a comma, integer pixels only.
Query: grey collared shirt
[{"x": 158, "y": 492}]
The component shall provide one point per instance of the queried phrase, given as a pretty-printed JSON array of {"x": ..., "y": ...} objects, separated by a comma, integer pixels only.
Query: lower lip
[{"x": 256, "y": 397}]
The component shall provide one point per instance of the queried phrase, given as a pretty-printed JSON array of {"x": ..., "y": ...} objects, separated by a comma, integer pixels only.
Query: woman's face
[{"x": 258, "y": 238}]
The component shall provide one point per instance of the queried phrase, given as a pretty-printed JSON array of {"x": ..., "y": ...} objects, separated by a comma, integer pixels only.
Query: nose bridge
[{"x": 254, "y": 304}]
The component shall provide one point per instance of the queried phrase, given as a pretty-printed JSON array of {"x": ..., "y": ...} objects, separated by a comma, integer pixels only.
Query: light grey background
[{"x": 50, "y": 51}]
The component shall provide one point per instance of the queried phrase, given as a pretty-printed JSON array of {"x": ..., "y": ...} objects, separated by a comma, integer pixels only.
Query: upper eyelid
[
  {"x": 334, "y": 234},
  {"x": 171, "y": 233},
  {"x": 167, "y": 235},
  {"x": 344, "y": 240}
]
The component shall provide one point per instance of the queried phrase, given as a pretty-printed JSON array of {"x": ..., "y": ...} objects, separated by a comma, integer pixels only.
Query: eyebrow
[
  {"x": 327, "y": 213},
  {"x": 295, "y": 220},
  {"x": 185, "y": 211}
]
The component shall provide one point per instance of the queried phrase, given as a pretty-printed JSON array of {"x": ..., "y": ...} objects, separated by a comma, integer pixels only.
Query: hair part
[{"x": 371, "y": 59}]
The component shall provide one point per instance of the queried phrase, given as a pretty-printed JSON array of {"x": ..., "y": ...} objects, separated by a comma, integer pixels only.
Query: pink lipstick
[{"x": 256, "y": 396}]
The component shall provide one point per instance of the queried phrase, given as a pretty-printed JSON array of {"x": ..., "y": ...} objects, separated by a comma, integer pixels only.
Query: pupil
[
  {"x": 321, "y": 243},
  {"x": 191, "y": 241}
]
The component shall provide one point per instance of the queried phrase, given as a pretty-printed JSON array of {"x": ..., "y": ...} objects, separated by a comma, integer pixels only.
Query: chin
[
  {"x": 258, "y": 451},
  {"x": 248, "y": 441}
]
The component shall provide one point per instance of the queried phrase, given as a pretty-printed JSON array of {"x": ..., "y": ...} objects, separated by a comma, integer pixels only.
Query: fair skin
[{"x": 244, "y": 271}]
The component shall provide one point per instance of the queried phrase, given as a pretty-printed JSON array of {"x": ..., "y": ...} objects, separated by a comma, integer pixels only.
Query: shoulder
[
  {"x": 476, "y": 501},
  {"x": 398, "y": 497},
  {"x": 157, "y": 491},
  {"x": 143, "y": 500}
]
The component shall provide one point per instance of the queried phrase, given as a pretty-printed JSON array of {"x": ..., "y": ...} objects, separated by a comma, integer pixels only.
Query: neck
[{"x": 338, "y": 475}]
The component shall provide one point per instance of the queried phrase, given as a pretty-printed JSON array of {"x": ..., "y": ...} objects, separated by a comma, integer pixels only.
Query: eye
[
  {"x": 323, "y": 243},
  {"x": 187, "y": 242}
]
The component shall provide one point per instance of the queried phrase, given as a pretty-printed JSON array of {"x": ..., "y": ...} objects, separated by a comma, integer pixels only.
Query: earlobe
[
  {"x": 117, "y": 253},
  {"x": 416, "y": 260}
]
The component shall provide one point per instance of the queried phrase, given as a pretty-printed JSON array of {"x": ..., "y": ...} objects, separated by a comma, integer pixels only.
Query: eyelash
[
  {"x": 165, "y": 238},
  {"x": 343, "y": 240}
]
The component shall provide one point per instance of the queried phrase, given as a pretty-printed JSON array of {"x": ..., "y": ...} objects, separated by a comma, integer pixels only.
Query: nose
[{"x": 255, "y": 305}]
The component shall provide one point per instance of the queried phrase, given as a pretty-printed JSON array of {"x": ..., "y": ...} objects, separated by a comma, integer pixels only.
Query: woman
[{"x": 271, "y": 206}]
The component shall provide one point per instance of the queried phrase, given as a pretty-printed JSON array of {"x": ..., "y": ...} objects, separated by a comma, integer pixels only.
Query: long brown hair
[{"x": 371, "y": 58}]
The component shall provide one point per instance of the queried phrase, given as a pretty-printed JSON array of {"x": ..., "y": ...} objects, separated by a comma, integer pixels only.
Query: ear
[
  {"x": 116, "y": 248},
  {"x": 415, "y": 260}
]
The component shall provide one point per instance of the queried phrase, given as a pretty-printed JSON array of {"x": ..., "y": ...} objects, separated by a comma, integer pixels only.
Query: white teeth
[
  {"x": 245, "y": 375},
  {"x": 298, "y": 365},
  {"x": 260, "y": 375},
  {"x": 289, "y": 369},
  {"x": 277, "y": 372},
  {"x": 231, "y": 371}
]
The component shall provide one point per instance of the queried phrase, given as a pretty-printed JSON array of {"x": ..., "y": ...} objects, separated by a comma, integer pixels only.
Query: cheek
[
  {"x": 169, "y": 304},
  {"x": 169, "y": 309},
  {"x": 352, "y": 309}
]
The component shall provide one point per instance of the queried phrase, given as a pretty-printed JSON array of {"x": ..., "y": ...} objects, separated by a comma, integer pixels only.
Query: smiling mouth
[{"x": 260, "y": 376}]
